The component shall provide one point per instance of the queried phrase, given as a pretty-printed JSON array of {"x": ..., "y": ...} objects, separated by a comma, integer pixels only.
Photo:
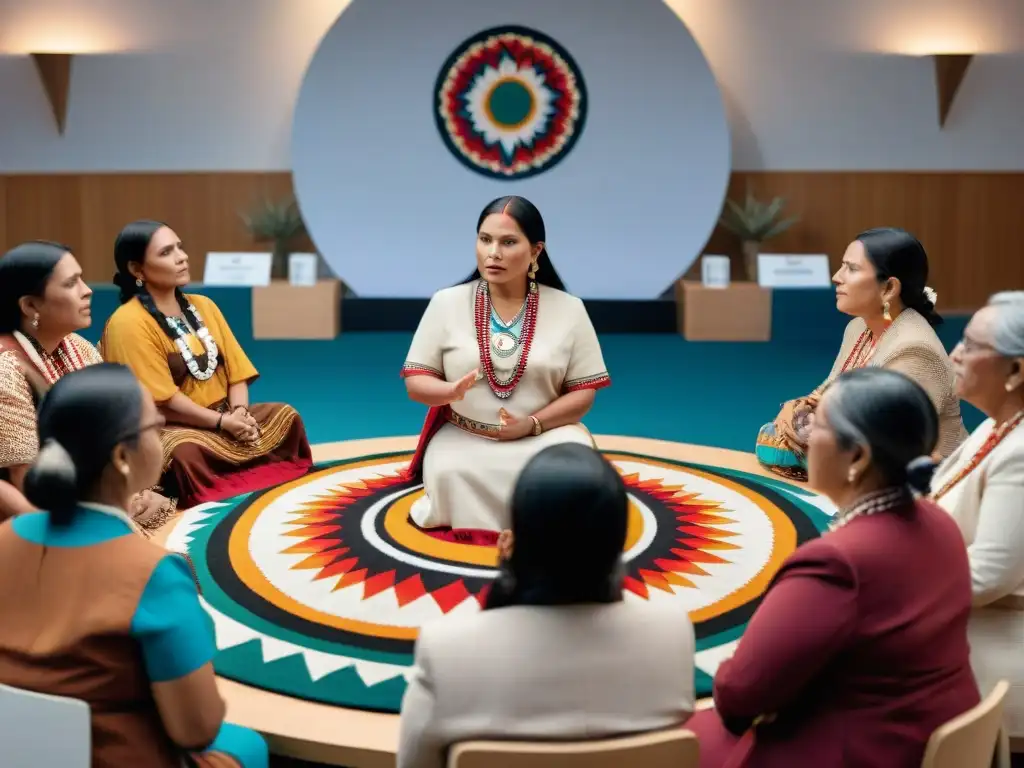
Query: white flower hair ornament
[{"x": 931, "y": 295}]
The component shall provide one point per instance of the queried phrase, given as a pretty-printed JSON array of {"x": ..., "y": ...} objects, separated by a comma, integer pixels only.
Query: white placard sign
[
  {"x": 715, "y": 271},
  {"x": 237, "y": 269},
  {"x": 302, "y": 268},
  {"x": 793, "y": 270}
]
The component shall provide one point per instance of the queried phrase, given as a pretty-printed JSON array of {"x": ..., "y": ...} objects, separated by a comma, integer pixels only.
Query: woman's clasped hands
[{"x": 241, "y": 425}]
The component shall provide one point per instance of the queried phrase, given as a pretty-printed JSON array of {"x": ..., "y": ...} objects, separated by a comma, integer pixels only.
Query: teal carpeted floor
[{"x": 663, "y": 387}]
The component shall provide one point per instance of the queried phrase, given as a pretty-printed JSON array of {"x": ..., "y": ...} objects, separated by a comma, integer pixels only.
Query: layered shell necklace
[
  {"x": 500, "y": 339},
  {"x": 180, "y": 330},
  {"x": 995, "y": 438}
]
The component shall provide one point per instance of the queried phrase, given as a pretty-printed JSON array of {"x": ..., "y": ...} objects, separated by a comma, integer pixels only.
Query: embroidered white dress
[
  {"x": 988, "y": 506},
  {"x": 468, "y": 476}
]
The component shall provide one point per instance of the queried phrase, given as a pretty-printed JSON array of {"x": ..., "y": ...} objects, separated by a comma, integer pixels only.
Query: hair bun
[
  {"x": 52, "y": 481},
  {"x": 931, "y": 296},
  {"x": 920, "y": 472}
]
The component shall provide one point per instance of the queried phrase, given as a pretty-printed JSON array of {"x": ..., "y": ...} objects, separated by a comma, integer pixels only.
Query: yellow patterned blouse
[
  {"x": 135, "y": 339},
  {"x": 19, "y": 440}
]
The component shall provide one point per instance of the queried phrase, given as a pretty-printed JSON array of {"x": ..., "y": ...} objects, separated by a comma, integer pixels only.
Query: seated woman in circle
[
  {"x": 858, "y": 651},
  {"x": 216, "y": 443},
  {"x": 982, "y": 486},
  {"x": 43, "y": 303},
  {"x": 95, "y": 613},
  {"x": 882, "y": 285},
  {"x": 508, "y": 363},
  {"x": 557, "y": 652}
]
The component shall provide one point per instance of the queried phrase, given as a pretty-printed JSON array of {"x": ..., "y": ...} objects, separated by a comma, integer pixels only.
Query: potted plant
[
  {"x": 754, "y": 222},
  {"x": 280, "y": 224},
  {"x": 282, "y": 310}
]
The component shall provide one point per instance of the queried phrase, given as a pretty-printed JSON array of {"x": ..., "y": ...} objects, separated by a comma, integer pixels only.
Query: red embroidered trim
[
  {"x": 413, "y": 369},
  {"x": 482, "y": 321},
  {"x": 595, "y": 383}
]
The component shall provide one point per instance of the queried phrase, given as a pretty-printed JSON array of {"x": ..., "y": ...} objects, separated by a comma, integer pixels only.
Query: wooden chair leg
[{"x": 1001, "y": 758}]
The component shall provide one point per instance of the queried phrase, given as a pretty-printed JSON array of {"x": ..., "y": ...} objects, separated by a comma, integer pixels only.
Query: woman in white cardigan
[
  {"x": 558, "y": 652},
  {"x": 982, "y": 486}
]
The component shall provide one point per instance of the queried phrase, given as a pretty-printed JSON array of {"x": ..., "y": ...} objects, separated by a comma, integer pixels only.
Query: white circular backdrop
[{"x": 393, "y": 211}]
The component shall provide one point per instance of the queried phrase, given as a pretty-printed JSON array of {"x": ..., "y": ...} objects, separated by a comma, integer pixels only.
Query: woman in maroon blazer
[{"x": 859, "y": 648}]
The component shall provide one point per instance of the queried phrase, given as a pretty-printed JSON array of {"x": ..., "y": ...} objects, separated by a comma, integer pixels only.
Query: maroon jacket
[{"x": 859, "y": 649}]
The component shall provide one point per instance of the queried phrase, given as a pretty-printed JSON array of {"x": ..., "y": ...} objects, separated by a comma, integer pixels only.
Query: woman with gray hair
[
  {"x": 858, "y": 650},
  {"x": 982, "y": 486}
]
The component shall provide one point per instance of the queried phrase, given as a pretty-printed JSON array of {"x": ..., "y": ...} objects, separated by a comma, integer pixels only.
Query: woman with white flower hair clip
[{"x": 882, "y": 284}]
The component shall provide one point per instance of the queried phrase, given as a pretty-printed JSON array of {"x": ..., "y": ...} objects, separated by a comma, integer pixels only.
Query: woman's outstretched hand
[{"x": 462, "y": 386}]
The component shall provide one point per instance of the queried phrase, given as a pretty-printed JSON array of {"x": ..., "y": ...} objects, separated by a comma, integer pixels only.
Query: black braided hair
[{"x": 130, "y": 246}]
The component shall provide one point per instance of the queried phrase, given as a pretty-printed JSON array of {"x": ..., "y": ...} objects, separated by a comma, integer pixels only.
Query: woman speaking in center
[{"x": 509, "y": 364}]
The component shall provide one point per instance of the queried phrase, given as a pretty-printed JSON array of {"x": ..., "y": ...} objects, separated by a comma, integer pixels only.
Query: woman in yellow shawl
[{"x": 216, "y": 443}]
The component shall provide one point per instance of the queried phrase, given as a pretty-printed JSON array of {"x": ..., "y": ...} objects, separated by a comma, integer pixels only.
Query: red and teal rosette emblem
[{"x": 510, "y": 102}]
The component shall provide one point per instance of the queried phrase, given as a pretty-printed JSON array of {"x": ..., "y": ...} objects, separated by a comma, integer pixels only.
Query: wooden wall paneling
[
  {"x": 43, "y": 207},
  {"x": 3, "y": 215},
  {"x": 968, "y": 222},
  {"x": 203, "y": 208}
]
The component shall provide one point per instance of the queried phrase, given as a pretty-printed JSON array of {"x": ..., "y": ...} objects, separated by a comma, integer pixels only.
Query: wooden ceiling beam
[
  {"x": 55, "y": 72},
  {"x": 950, "y": 69}
]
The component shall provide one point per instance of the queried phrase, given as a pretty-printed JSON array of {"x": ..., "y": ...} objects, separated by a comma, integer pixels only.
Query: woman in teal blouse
[{"x": 96, "y": 612}]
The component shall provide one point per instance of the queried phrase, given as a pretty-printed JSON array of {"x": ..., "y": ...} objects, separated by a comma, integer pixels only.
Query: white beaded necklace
[
  {"x": 871, "y": 504},
  {"x": 181, "y": 330}
]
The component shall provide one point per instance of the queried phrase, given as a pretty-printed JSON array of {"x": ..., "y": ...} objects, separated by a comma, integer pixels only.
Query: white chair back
[
  {"x": 973, "y": 739},
  {"x": 38, "y": 730}
]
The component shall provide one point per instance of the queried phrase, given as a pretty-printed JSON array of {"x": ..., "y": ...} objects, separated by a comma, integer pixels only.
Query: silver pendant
[{"x": 503, "y": 342}]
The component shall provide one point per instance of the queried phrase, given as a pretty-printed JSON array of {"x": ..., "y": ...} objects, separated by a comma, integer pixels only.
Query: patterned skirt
[{"x": 201, "y": 465}]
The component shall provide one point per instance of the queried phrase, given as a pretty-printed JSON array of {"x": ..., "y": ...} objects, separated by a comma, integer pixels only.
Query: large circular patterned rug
[{"x": 317, "y": 588}]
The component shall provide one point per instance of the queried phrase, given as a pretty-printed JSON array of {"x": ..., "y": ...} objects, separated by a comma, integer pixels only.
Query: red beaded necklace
[
  {"x": 995, "y": 438},
  {"x": 861, "y": 353},
  {"x": 482, "y": 321}
]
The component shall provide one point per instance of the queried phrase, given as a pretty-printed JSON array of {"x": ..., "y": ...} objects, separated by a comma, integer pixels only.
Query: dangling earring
[
  {"x": 885, "y": 312},
  {"x": 533, "y": 270},
  {"x": 35, "y": 321},
  {"x": 852, "y": 476},
  {"x": 138, "y": 282}
]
